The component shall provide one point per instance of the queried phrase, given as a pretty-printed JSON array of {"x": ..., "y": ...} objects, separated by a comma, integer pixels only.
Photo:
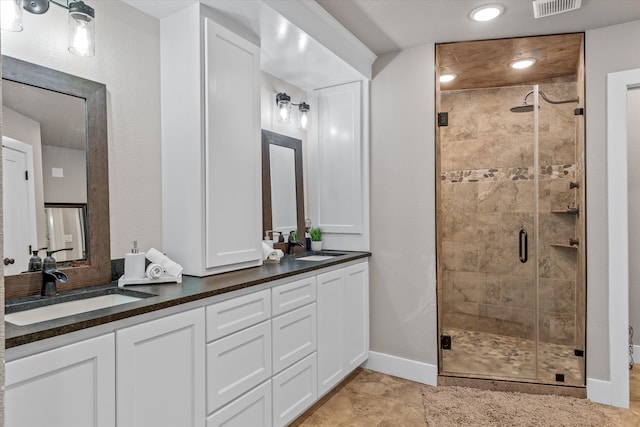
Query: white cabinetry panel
[
  {"x": 251, "y": 410},
  {"x": 230, "y": 316},
  {"x": 237, "y": 363},
  {"x": 293, "y": 295},
  {"x": 211, "y": 179},
  {"x": 72, "y": 385},
  {"x": 337, "y": 192},
  {"x": 232, "y": 148},
  {"x": 330, "y": 325},
  {"x": 294, "y": 336},
  {"x": 294, "y": 390},
  {"x": 356, "y": 320},
  {"x": 159, "y": 376}
]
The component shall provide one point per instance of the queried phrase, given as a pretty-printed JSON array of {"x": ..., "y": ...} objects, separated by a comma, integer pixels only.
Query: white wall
[
  {"x": 633, "y": 136},
  {"x": 402, "y": 268},
  {"x": 607, "y": 50},
  {"x": 72, "y": 186},
  {"x": 127, "y": 60}
]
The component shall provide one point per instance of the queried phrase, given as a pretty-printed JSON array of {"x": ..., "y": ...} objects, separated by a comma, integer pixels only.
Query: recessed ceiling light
[
  {"x": 522, "y": 63},
  {"x": 444, "y": 78},
  {"x": 486, "y": 12}
]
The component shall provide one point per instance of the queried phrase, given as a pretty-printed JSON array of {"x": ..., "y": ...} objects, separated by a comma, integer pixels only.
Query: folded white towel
[
  {"x": 270, "y": 253},
  {"x": 154, "y": 271},
  {"x": 170, "y": 267}
]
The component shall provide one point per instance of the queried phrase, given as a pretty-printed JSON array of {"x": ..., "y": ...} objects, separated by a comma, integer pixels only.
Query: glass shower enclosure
[{"x": 510, "y": 234}]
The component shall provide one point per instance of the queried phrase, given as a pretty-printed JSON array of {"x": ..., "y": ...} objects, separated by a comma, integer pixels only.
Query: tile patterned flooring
[
  {"x": 498, "y": 356},
  {"x": 369, "y": 398}
]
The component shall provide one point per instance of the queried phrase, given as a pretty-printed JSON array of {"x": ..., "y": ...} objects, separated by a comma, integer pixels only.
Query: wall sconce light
[
  {"x": 81, "y": 24},
  {"x": 284, "y": 108}
]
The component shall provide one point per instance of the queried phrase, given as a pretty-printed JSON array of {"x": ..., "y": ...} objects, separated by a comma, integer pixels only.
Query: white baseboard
[
  {"x": 599, "y": 391},
  {"x": 404, "y": 368}
]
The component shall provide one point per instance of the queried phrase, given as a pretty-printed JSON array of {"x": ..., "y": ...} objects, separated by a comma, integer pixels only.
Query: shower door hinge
[
  {"x": 578, "y": 112},
  {"x": 578, "y": 352},
  {"x": 443, "y": 119},
  {"x": 445, "y": 342}
]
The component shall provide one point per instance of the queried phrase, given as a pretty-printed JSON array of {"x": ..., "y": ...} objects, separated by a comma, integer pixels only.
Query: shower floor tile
[{"x": 503, "y": 357}]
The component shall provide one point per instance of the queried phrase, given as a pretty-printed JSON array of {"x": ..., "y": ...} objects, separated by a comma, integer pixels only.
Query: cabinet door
[
  {"x": 356, "y": 325},
  {"x": 160, "y": 379},
  {"x": 337, "y": 192},
  {"x": 330, "y": 288},
  {"x": 237, "y": 363},
  {"x": 294, "y": 336},
  {"x": 233, "y": 181},
  {"x": 294, "y": 390},
  {"x": 72, "y": 385}
]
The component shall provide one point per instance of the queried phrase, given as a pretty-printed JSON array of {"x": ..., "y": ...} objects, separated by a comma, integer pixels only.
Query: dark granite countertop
[{"x": 169, "y": 295}]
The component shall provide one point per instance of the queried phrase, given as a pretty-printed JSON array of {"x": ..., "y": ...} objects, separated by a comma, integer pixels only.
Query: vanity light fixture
[
  {"x": 446, "y": 78},
  {"x": 486, "y": 12},
  {"x": 284, "y": 108},
  {"x": 81, "y": 21},
  {"x": 522, "y": 63}
]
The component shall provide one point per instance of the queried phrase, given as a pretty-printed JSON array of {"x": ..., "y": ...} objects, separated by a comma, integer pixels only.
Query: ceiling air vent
[{"x": 543, "y": 8}]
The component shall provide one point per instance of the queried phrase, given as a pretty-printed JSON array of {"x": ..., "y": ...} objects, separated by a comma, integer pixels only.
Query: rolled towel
[
  {"x": 170, "y": 267},
  {"x": 154, "y": 271},
  {"x": 270, "y": 253}
]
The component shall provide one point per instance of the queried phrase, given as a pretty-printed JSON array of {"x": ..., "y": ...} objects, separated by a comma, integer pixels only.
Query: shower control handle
[{"x": 523, "y": 246}]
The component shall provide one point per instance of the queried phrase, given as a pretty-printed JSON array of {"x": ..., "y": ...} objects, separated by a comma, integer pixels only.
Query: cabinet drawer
[
  {"x": 230, "y": 316},
  {"x": 237, "y": 363},
  {"x": 251, "y": 409},
  {"x": 294, "y": 390},
  {"x": 294, "y": 336},
  {"x": 293, "y": 295}
]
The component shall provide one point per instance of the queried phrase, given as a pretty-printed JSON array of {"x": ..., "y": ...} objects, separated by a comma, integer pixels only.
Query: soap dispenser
[
  {"x": 134, "y": 263},
  {"x": 35, "y": 262}
]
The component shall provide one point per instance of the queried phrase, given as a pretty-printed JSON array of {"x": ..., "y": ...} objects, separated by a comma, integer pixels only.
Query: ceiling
[
  {"x": 483, "y": 64},
  {"x": 390, "y": 25},
  {"x": 61, "y": 116}
]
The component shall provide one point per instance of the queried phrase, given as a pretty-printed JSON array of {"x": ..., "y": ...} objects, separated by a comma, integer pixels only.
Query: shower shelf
[
  {"x": 563, "y": 245},
  {"x": 569, "y": 210}
]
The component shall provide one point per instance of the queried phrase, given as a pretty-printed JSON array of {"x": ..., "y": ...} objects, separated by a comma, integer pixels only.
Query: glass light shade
[
  {"x": 303, "y": 115},
  {"x": 284, "y": 109},
  {"x": 82, "y": 30},
  {"x": 11, "y": 13}
]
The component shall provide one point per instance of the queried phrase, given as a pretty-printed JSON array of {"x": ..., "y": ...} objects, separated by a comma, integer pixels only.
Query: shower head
[{"x": 524, "y": 108}]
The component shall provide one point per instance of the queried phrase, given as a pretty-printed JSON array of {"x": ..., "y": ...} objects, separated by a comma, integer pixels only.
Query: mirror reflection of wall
[
  {"x": 283, "y": 188},
  {"x": 53, "y": 125}
]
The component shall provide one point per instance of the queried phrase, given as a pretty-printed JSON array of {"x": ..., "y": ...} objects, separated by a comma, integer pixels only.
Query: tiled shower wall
[{"x": 487, "y": 197}]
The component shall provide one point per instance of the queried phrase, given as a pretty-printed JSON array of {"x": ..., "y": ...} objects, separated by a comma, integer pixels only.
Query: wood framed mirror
[
  {"x": 96, "y": 269},
  {"x": 282, "y": 184}
]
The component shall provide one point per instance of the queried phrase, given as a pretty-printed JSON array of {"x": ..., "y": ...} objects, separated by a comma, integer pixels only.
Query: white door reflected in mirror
[{"x": 18, "y": 200}]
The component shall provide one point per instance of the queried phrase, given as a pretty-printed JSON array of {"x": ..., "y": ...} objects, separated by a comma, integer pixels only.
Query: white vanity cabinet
[
  {"x": 73, "y": 385},
  {"x": 343, "y": 323},
  {"x": 211, "y": 148},
  {"x": 294, "y": 349},
  {"x": 160, "y": 366}
]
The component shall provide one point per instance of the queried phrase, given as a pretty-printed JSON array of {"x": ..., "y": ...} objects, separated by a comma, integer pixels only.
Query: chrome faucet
[{"x": 51, "y": 275}]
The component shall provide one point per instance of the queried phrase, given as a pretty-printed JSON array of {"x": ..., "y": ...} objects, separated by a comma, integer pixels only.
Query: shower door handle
[{"x": 523, "y": 246}]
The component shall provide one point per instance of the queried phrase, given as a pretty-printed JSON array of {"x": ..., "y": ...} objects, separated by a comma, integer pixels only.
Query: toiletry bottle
[
  {"x": 35, "y": 262},
  {"x": 267, "y": 240},
  {"x": 134, "y": 263}
]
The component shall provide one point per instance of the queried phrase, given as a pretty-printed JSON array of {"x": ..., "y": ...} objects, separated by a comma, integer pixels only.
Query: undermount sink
[
  {"x": 41, "y": 309},
  {"x": 319, "y": 256}
]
